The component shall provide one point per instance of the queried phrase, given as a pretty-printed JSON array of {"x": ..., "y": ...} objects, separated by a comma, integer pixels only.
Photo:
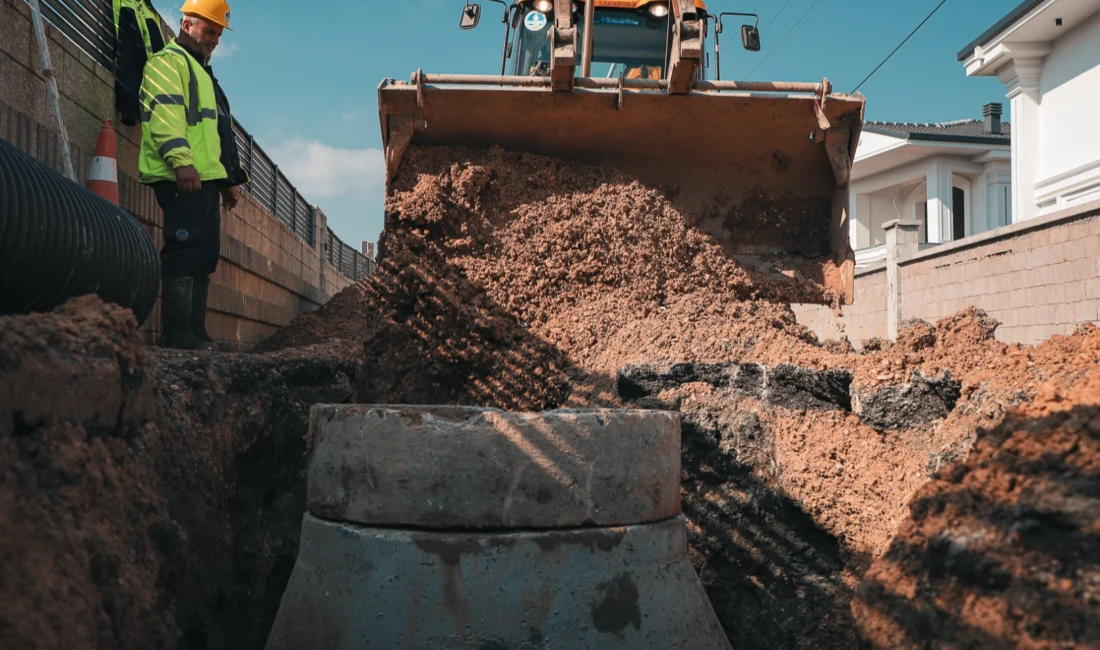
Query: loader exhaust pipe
[{"x": 586, "y": 51}]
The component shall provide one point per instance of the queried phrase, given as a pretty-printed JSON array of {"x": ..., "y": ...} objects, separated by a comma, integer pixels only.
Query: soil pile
[
  {"x": 81, "y": 518},
  {"x": 498, "y": 268},
  {"x": 1003, "y": 549},
  {"x": 148, "y": 499},
  {"x": 521, "y": 282}
]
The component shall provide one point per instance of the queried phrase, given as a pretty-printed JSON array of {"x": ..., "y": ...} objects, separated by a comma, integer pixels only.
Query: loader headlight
[
  {"x": 658, "y": 10},
  {"x": 544, "y": 6}
]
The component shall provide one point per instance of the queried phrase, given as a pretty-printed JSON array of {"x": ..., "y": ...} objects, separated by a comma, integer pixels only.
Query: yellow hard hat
[{"x": 216, "y": 11}]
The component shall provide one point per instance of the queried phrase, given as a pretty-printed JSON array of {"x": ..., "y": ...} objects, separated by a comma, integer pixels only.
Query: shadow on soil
[{"x": 1002, "y": 549}]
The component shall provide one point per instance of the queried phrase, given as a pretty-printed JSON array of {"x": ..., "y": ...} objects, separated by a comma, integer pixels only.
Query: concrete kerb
[{"x": 467, "y": 468}]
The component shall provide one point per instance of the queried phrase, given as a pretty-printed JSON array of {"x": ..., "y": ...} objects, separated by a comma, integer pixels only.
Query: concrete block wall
[
  {"x": 267, "y": 274},
  {"x": 864, "y": 319},
  {"x": 1038, "y": 278}
]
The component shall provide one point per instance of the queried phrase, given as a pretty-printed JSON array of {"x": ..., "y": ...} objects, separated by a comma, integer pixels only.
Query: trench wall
[
  {"x": 267, "y": 275},
  {"x": 1038, "y": 278}
]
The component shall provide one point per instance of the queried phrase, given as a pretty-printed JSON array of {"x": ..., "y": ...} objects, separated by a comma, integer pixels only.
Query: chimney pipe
[{"x": 992, "y": 114}]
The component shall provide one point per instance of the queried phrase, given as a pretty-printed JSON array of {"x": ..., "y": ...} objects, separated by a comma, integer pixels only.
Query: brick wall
[
  {"x": 267, "y": 274},
  {"x": 1037, "y": 278}
]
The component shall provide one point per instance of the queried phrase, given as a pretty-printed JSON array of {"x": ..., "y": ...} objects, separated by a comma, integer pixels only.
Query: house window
[{"x": 958, "y": 213}]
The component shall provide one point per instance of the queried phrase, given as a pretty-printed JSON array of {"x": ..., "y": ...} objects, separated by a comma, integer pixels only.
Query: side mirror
[
  {"x": 471, "y": 15},
  {"x": 750, "y": 38}
]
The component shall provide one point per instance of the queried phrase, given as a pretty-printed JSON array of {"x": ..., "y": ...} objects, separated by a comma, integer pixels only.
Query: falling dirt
[{"x": 524, "y": 283}]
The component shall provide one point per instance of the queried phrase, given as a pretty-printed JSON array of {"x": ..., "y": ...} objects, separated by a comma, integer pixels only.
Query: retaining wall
[
  {"x": 1038, "y": 278},
  {"x": 267, "y": 274}
]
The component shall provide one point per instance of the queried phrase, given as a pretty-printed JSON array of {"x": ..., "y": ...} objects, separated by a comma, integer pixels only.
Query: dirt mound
[
  {"x": 522, "y": 282},
  {"x": 148, "y": 499},
  {"x": 1003, "y": 549},
  {"x": 509, "y": 254},
  {"x": 79, "y": 511}
]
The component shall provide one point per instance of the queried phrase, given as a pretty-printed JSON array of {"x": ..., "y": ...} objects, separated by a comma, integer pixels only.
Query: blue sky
[{"x": 303, "y": 76}]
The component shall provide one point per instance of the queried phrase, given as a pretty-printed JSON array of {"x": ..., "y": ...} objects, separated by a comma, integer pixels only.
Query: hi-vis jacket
[
  {"x": 179, "y": 114},
  {"x": 138, "y": 36}
]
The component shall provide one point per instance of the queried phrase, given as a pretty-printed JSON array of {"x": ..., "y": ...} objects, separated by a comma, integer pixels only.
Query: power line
[
  {"x": 929, "y": 17},
  {"x": 793, "y": 27}
]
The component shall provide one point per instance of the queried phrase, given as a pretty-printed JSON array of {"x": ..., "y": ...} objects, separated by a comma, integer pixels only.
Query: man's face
[{"x": 205, "y": 33}]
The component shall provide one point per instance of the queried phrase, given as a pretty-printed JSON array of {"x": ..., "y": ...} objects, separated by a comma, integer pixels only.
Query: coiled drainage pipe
[{"x": 59, "y": 241}]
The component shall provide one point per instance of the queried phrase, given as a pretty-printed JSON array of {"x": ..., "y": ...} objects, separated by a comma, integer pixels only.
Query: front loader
[{"x": 763, "y": 166}]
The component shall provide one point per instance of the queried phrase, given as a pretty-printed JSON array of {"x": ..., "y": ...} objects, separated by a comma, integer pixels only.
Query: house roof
[
  {"x": 1002, "y": 24},
  {"x": 972, "y": 131}
]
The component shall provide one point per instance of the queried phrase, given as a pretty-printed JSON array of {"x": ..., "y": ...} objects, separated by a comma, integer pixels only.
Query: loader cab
[
  {"x": 624, "y": 40},
  {"x": 633, "y": 41}
]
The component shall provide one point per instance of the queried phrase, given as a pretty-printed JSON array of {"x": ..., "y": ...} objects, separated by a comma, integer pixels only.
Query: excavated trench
[{"x": 153, "y": 499}]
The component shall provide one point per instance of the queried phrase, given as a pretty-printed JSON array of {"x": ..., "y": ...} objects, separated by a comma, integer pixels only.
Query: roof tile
[{"x": 958, "y": 128}]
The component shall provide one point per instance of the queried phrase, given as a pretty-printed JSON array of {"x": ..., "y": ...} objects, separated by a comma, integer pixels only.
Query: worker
[
  {"x": 138, "y": 36},
  {"x": 189, "y": 156}
]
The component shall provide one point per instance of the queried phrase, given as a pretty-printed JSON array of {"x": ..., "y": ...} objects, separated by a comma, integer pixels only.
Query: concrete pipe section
[{"x": 455, "y": 527}]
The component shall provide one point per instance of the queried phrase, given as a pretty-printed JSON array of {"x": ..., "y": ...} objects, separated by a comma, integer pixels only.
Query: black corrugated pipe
[{"x": 59, "y": 241}]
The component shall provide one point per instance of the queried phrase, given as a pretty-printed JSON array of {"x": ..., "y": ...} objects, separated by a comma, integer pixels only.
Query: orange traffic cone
[{"x": 103, "y": 172}]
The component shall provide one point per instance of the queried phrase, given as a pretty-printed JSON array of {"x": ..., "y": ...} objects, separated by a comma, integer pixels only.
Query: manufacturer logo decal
[{"x": 535, "y": 21}]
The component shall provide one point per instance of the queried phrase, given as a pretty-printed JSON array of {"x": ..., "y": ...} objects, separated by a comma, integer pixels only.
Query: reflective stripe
[
  {"x": 166, "y": 100},
  {"x": 209, "y": 114},
  {"x": 193, "y": 114},
  {"x": 174, "y": 143},
  {"x": 103, "y": 169},
  {"x": 146, "y": 116}
]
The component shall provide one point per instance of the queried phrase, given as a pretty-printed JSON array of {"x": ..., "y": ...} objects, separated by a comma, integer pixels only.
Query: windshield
[{"x": 622, "y": 39}]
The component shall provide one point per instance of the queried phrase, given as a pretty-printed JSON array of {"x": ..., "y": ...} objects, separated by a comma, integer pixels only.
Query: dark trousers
[{"x": 192, "y": 230}]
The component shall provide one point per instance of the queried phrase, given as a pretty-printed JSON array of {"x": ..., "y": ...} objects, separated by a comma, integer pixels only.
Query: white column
[
  {"x": 1021, "y": 79},
  {"x": 939, "y": 202},
  {"x": 998, "y": 195},
  {"x": 901, "y": 246},
  {"x": 979, "y": 204},
  {"x": 863, "y": 222}
]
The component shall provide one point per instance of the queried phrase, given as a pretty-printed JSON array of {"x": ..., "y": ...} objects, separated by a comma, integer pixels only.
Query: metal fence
[
  {"x": 90, "y": 25},
  {"x": 271, "y": 188},
  {"x": 351, "y": 262}
]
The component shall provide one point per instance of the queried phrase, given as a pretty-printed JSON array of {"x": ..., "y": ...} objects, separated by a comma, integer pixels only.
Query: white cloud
[
  {"x": 320, "y": 170},
  {"x": 353, "y": 116},
  {"x": 170, "y": 15},
  {"x": 225, "y": 50}
]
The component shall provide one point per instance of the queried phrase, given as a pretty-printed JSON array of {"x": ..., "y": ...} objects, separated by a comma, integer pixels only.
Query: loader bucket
[{"x": 762, "y": 166}]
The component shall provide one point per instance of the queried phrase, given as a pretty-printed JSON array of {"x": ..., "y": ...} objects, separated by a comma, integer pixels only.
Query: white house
[
  {"x": 954, "y": 178},
  {"x": 1047, "y": 55}
]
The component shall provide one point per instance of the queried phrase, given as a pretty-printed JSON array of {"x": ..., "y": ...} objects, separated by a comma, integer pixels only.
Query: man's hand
[
  {"x": 230, "y": 198},
  {"x": 187, "y": 179}
]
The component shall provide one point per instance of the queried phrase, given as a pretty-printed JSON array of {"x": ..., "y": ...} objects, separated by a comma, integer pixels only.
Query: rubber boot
[
  {"x": 176, "y": 313},
  {"x": 200, "y": 292}
]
